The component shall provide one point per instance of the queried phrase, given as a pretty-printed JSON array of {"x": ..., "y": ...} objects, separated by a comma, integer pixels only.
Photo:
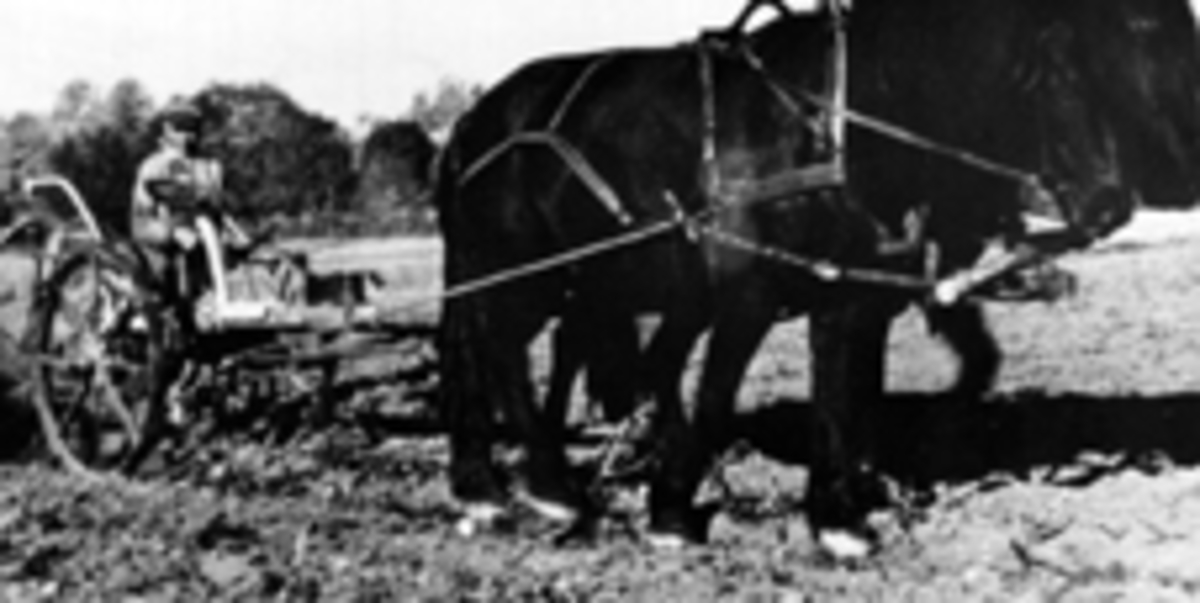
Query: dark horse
[{"x": 1062, "y": 90}]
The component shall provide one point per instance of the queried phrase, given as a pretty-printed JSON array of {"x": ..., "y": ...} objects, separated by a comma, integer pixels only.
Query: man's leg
[{"x": 210, "y": 241}]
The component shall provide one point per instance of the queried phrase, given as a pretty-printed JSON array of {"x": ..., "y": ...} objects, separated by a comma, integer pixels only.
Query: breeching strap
[{"x": 570, "y": 155}]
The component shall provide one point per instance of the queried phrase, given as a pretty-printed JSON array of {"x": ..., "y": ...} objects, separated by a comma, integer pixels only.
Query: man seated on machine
[{"x": 176, "y": 209}]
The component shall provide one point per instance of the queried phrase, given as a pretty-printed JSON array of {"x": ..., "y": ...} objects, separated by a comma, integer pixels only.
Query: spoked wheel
[{"x": 100, "y": 388}]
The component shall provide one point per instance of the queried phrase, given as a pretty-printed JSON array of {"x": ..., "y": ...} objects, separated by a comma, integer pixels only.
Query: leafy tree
[
  {"x": 437, "y": 113},
  {"x": 279, "y": 159},
  {"x": 394, "y": 165},
  {"x": 29, "y": 139},
  {"x": 7, "y": 176},
  {"x": 128, "y": 107},
  {"x": 100, "y": 144},
  {"x": 77, "y": 103}
]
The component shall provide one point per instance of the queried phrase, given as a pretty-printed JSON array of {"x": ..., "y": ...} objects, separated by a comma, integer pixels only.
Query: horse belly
[{"x": 653, "y": 278}]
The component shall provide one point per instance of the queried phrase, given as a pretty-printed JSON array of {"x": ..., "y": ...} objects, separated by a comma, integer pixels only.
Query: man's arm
[{"x": 149, "y": 219}]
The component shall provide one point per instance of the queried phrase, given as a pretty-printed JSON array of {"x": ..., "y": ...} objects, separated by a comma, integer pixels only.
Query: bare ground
[{"x": 1078, "y": 480}]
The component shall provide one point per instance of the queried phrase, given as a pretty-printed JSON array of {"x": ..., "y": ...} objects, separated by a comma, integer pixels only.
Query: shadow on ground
[{"x": 926, "y": 438}]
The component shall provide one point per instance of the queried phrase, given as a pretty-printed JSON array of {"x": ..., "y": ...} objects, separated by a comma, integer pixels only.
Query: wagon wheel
[{"x": 101, "y": 379}]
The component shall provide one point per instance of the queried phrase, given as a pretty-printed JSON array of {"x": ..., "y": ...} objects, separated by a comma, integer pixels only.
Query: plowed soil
[{"x": 1078, "y": 479}]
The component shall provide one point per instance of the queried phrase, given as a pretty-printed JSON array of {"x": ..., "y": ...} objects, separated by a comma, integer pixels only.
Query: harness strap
[
  {"x": 576, "y": 88},
  {"x": 549, "y": 263},
  {"x": 899, "y": 133},
  {"x": 790, "y": 181},
  {"x": 782, "y": 184},
  {"x": 909, "y": 137},
  {"x": 571, "y": 156},
  {"x": 822, "y": 269},
  {"x": 839, "y": 70},
  {"x": 708, "y": 152}
]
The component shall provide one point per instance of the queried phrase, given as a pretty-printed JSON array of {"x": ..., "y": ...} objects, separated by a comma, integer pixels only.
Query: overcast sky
[{"x": 343, "y": 58}]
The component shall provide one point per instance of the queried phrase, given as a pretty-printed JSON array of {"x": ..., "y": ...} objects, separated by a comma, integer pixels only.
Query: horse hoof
[
  {"x": 666, "y": 541},
  {"x": 844, "y": 545},
  {"x": 551, "y": 510},
  {"x": 477, "y": 517},
  {"x": 674, "y": 533}
]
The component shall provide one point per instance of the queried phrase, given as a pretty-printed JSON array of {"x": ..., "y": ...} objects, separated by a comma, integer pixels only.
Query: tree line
[{"x": 285, "y": 166}]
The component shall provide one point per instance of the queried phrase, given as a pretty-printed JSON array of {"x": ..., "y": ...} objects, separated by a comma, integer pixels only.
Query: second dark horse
[{"x": 1066, "y": 91}]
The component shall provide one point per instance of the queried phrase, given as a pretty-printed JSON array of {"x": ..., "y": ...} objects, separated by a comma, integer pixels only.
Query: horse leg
[
  {"x": 662, "y": 366},
  {"x": 488, "y": 378},
  {"x": 737, "y": 333},
  {"x": 964, "y": 328},
  {"x": 467, "y": 409},
  {"x": 518, "y": 315},
  {"x": 549, "y": 488},
  {"x": 605, "y": 345},
  {"x": 612, "y": 365},
  {"x": 848, "y": 355},
  {"x": 568, "y": 343}
]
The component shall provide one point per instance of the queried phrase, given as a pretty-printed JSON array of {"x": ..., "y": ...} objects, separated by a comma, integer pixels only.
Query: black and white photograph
[{"x": 565, "y": 300}]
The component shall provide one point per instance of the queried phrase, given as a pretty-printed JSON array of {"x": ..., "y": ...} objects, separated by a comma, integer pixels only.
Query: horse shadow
[{"x": 924, "y": 439}]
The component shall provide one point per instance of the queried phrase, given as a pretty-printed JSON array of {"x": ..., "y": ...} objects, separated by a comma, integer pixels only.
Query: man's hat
[{"x": 181, "y": 115}]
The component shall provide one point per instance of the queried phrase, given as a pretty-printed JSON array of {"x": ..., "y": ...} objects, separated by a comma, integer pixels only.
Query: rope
[
  {"x": 546, "y": 264},
  {"x": 838, "y": 110},
  {"x": 822, "y": 269},
  {"x": 924, "y": 143}
]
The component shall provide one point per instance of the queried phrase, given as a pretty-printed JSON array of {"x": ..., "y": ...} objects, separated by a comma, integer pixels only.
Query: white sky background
[{"x": 341, "y": 58}]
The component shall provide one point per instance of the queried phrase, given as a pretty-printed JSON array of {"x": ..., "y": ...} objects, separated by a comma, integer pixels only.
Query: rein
[{"x": 841, "y": 113}]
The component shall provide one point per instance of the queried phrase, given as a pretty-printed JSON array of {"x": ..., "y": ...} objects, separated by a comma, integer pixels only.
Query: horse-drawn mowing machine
[{"x": 128, "y": 353}]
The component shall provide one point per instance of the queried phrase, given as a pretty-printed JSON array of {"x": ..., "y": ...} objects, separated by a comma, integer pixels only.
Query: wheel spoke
[
  {"x": 74, "y": 320},
  {"x": 77, "y": 406},
  {"x": 95, "y": 362},
  {"x": 113, "y": 399}
]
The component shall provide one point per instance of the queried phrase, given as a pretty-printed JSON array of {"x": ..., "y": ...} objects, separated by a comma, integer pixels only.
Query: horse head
[
  {"x": 1142, "y": 63},
  {"x": 949, "y": 100},
  {"x": 1077, "y": 152},
  {"x": 1116, "y": 87},
  {"x": 1085, "y": 109}
]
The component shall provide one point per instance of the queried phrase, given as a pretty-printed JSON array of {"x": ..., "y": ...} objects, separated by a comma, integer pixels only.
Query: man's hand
[{"x": 185, "y": 237}]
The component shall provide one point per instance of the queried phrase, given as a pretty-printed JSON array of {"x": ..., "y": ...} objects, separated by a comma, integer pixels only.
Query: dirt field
[{"x": 1078, "y": 480}]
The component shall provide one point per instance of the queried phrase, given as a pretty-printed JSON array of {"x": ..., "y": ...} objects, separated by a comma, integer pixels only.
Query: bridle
[
  {"x": 1049, "y": 182},
  {"x": 1075, "y": 141}
]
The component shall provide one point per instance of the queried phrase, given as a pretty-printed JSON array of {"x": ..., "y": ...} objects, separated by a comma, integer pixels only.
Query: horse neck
[
  {"x": 957, "y": 85},
  {"x": 794, "y": 48}
]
